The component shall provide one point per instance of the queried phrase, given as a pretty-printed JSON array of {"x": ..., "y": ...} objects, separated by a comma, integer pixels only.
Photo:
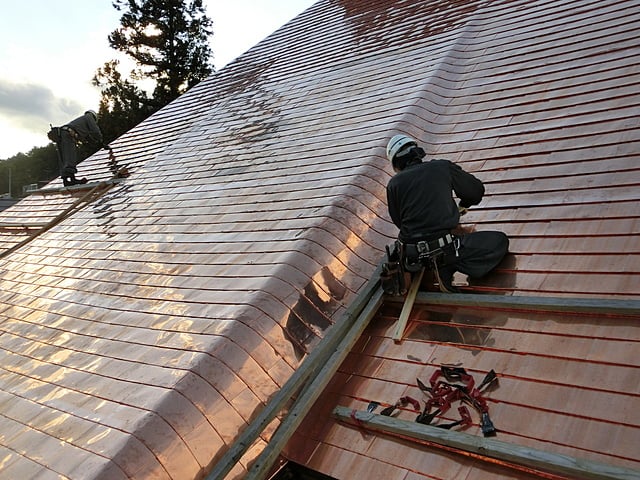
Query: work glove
[{"x": 462, "y": 210}]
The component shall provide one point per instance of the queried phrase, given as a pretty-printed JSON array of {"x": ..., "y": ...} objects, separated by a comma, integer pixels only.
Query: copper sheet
[
  {"x": 555, "y": 383},
  {"x": 154, "y": 323}
]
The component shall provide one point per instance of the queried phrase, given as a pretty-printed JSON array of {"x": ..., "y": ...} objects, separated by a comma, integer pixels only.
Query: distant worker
[
  {"x": 80, "y": 130},
  {"x": 421, "y": 204}
]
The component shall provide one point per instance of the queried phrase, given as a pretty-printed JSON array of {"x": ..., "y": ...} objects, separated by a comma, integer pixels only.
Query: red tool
[{"x": 460, "y": 386}]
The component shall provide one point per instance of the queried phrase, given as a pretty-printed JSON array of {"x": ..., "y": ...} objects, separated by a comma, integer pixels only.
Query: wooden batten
[{"x": 489, "y": 447}]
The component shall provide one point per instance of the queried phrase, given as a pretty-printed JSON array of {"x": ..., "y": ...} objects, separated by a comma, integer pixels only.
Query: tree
[
  {"x": 123, "y": 105},
  {"x": 168, "y": 41},
  {"x": 40, "y": 164}
]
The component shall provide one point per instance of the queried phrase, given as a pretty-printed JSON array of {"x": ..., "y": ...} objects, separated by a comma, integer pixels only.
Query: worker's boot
[{"x": 72, "y": 180}]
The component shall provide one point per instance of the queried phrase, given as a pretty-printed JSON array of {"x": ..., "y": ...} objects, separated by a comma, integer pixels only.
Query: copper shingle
[{"x": 143, "y": 332}]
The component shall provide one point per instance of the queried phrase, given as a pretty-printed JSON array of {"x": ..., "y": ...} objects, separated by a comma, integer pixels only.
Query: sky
[{"x": 49, "y": 52}]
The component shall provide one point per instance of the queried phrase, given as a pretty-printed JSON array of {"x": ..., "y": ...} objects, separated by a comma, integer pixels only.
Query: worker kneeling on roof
[
  {"x": 82, "y": 129},
  {"x": 421, "y": 204}
]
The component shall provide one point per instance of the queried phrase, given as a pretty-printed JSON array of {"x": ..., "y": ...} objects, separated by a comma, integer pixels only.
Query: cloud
[{"x": 33, "y": 107}]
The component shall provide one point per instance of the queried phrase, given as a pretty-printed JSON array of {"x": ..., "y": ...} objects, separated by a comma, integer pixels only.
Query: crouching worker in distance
[
  {"x": 82, "y": 129},
  {"x": 421, "y": 204}
]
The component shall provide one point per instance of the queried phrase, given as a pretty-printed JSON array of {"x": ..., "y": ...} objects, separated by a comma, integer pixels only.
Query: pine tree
[{"x": 168, "y": 41}]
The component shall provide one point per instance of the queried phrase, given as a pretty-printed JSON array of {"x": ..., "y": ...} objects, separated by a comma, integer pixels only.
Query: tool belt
[
  {"x": 405, "y": 258},
  {"x": 393, "y": 277},
  {"x": 71, "y": 132},
  {"x": 427, "y": 248},
  {"x": 426, "y": 253}
]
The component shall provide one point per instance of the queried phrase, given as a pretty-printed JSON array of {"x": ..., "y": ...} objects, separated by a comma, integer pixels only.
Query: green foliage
[
  {"x": 39, "y": 165},
  {"x": 122, "y": 106},
  {"x": 168, "y": 42}
]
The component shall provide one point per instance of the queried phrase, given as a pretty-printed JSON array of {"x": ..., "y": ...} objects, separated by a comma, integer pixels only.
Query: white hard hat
[{"x": 398, "y": 143}]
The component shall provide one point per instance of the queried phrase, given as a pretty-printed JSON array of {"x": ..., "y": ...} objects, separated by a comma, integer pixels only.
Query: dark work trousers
[
  {"x": 68, "y": 154},
  {"x": 479, "y": 253}
]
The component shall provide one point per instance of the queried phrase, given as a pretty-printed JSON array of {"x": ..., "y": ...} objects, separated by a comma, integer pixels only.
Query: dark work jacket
[
  {"x": 86, "y": 128},
  {"x": 421, "y": 202}
]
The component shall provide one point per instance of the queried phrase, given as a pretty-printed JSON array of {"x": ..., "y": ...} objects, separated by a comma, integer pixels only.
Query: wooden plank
[
  {"x": 23, "y": 225},
  {"x": 311, "y": 365},
  {"x": 488, "y": 447},
  {"x": 522, "y": 302},
  {"x": 77, "y": 188},
  {"x": 99, "y": 188},
  {"x": 262, "y": 466},
  {"x": 54, "y": 221},
  {"x": 407, "y": 307}
]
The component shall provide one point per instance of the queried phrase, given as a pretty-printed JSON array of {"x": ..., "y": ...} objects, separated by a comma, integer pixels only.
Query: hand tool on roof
[
  {"x": 372, "y": 406},
  {"x": 460, "y": 386},
  {"x": 465, "y": 419},
  {"x": 392, "y": 277},
  {"x": 402, "y": 402},
  {"x": 490, "y": 378},
  {"x": 472, "y": 395}
]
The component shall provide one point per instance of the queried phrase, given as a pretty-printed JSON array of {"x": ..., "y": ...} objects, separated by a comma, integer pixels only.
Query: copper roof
[{"x": 146, "y": 328}]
